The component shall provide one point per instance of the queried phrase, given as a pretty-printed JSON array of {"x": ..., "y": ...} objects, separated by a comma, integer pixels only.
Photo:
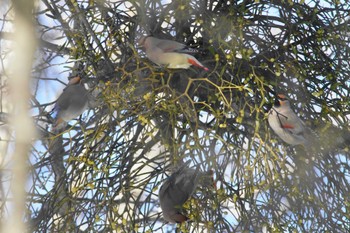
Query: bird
[
  {"x": 73, "y": 101},
  {"x": 172, "y": 54},
  {"x": 286, "y": 124},
  {"x": 178, "y": 188}
]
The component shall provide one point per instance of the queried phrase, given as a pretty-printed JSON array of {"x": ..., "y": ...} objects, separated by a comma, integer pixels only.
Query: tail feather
[{"x": 197, "y": 63}]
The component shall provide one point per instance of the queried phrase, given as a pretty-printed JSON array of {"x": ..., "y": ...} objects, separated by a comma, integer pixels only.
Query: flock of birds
[{"x": 179, "y": 187}]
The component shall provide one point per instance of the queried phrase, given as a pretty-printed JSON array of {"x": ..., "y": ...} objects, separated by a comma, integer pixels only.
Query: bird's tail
[{"x": 193, "y": 61}]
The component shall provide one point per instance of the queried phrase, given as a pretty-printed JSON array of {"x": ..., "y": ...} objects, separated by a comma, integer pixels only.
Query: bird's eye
[{"x": 277, "y": 102}]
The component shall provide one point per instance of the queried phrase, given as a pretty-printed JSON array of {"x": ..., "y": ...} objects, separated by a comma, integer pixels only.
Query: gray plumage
[
  {"x": 286, "y": 124},
  {"x": 73, "y": 101},
  {"x": 178, "y": 188}
]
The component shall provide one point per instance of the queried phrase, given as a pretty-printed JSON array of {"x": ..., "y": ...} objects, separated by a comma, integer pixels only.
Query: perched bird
[
  {"x": 286, "y": 124},
  {"x": 73, "y": 101},
  {"x": 170, "y": 53},
  {"x": 178, "y": 188}
]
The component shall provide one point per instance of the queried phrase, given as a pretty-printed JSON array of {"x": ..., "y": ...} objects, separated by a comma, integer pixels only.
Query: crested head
[
  {"x": 142, "y": 40},
  {"x": 282, "y": 97},
  {"x": 74, "y": 80},
  {"x": 179, "y": 218},
  {"x": 173, "y": 215},
  {"x": 281, "y": 100}
]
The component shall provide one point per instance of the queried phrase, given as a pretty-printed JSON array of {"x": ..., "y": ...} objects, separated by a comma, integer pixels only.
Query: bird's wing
[
  {"x": 72, "y": 96},
  {"x": 170, "y": 46},
  {"x": 173, "y": 195},
  {"x": 165, "y": 186},
  {"x": 292, "y": 123}
]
